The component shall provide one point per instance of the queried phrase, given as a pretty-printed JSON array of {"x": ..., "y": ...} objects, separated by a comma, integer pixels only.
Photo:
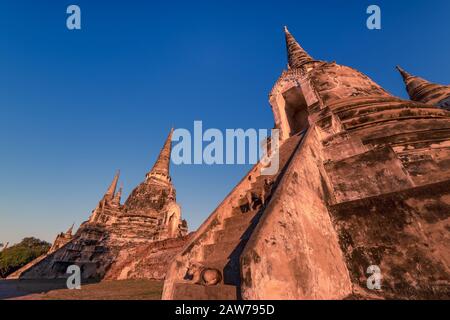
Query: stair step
[
  {"x": 219, "y": 264},
  {"x": 219, "y": 250},
  {"x": 240, "y": 219},
  {"x": 236, "y": 210},
  {"x": 228, "y": 234},
  {"x": 243, "y": 205},
  {"x": 187, "y": 291},
  {"x": 257, "y": 187},
  {"x": 285, "y": 152},
  {"x": 261, "y": 179}
]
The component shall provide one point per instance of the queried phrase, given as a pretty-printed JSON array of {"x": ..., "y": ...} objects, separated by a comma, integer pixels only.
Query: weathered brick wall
[
  {"x": 294, "y": 252},
  {"x": 406, "y": 234}
]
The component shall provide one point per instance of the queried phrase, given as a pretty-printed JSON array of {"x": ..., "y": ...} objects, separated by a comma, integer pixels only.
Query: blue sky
[{"x": 77, "y": 105}]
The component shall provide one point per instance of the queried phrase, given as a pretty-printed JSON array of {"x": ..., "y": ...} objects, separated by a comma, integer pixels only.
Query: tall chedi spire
[
  {"x": 70, "y": 230},
  {"x": 421, "y": 90},
  {"x": 160, "y": 169},
  {"x": 118, "y": 195},
  {"x": 297, "y": 56},
  {"x": 108, "y": 201},
  {"x": 151, "y": 197},
  {"x": 112, "y": 188}
]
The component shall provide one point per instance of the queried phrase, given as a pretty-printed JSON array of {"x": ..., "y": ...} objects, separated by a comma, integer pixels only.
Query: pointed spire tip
[
  {"x": 112, "y": 188},
  {"x": 162, "y": 163},
  {"x": 297, "y": 56},
  {"x": 70, "y": 230},
  {"x": 404, "y": 74}
]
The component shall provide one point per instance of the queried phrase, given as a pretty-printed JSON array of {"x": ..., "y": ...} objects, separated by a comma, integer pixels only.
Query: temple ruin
[
  {"x": 364, "y": 185},
  {"x": 148, "y": 226}
]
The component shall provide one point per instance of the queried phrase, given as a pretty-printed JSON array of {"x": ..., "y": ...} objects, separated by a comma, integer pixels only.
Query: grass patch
[{"x": 111, "y": 290}]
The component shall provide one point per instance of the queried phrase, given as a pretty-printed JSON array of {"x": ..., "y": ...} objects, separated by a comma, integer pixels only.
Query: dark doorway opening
[{"x": 296, "y": 110}]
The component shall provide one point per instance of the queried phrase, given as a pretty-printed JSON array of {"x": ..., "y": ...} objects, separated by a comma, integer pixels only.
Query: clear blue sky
[{"x": 77, "y": 105}]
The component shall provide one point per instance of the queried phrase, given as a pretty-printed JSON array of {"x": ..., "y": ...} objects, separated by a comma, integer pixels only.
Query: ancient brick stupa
[
  {"x": 360, "y": 208},
  {"x": 421, "y": 90},
  {"x": 136, "y": 239},
  {"x": 61, "y": 239}
]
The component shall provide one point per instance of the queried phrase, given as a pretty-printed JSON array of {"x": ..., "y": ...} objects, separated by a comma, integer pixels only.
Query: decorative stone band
[
  {"x": 294, "y": 75},
  {"x": 159, "y": 176}
]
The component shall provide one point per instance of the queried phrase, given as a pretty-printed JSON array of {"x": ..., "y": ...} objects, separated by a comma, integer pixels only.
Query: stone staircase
[{"x": 230, "y": 238}]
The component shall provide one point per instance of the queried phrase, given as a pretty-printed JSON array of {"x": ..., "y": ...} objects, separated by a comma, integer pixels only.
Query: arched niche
[{"x": 290, "y": 111}]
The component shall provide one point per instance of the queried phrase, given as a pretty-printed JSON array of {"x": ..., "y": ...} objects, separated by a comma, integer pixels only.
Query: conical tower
[
  {"x": 112, "y": 188},
  {"x": 118, "y": 195},
  {"x": 297, "y": 56},
  {"x": 157, "y": 186},
  {"x": 108, "y": 202},
  {"x": 160, "y": 169},
  {"x": 70, "y": 230},
  {"x": 421, "y": 90}
]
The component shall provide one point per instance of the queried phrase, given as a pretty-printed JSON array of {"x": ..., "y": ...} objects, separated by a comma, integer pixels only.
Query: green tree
[{"x": 18, "y": 255}]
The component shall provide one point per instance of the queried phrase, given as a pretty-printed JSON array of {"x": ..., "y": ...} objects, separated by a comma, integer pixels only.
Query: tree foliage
[{"x": 18, "y": 255}]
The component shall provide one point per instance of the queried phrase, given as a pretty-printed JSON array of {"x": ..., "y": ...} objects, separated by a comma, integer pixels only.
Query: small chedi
[
  {"x": 363, "y": 188},
  {"x": 136, "y": 239},
  {"x": 61, "y": 239},
  {"x": 421, "y": 90}
]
